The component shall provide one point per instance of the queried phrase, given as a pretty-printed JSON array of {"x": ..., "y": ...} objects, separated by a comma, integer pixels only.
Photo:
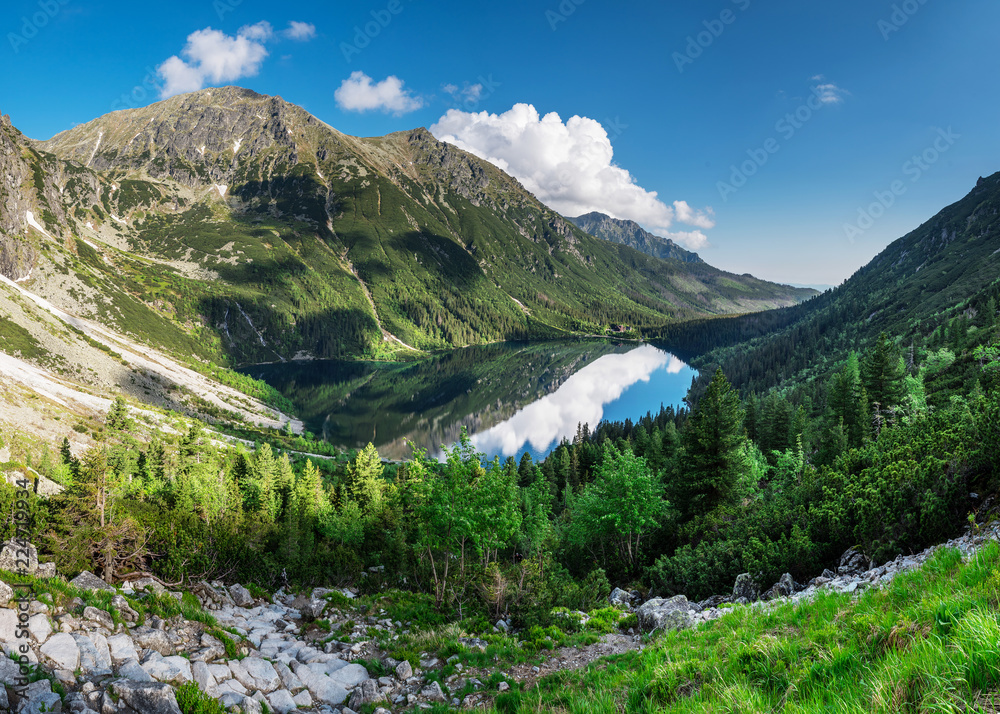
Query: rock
[
  {"x": 713, "y": 602},
  {"x": 38, "y": 697},
  {"x": 853, "y": 562},
  {"x": 783, "y": 588},
  {"x": 120, "y": 604},
  {"x": 46, "y": 570},
  {"x": 263, "y": 674},
  {"x": 665, "y": 614},
  {"x": 6, "y": 593},
  {"x": 88, "y": 581},
  {"x": 99, "y": 616},
  {"x": 92, "y": 662},
  {"x": 148, "y": 584},
  {"x": 202, "y": 676},
  {"x": 745, "y": 588},
  {"x": 502, "y": 625},
  {"x": 8, "y": 625},
  {"x": 150, "y": 639},
  {"x": 281, "y": 701},
  {"x": 620, "y": 598},
  {"x": 10, "y": 671},
  {"x": 503, "y": 687},
  {"x": 350, "y": 675},
  {"x": 39, "y": 627},
  {"x": 433, "y": 693},
  {"x": 303, "y": 699},
  {"x": 18, "y": 557},
  {"x": 241, "y": 596},
  {"x": 133, "y": 670},
  {"x": 365, "y": 693},
  {"x": 404, "y": 671},
  {"x": 63, "y": 650},
  {"x": 146, "y": 697},
  {"x": 121, "y": 649},
  {"x": 321, "y": 687},
  {"x": 288, "y": 679}
]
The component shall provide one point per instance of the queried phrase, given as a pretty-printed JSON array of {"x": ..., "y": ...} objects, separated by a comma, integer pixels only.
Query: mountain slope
[
  {"x": 945, "y": 269},
  {"x": 239, "y": 228},
  {"x": 634, "y": 236}
]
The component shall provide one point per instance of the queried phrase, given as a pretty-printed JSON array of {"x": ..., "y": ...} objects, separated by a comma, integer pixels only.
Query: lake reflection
[
  {"x": 540, "y": 426},
  {"x": 511, "y": 397}
]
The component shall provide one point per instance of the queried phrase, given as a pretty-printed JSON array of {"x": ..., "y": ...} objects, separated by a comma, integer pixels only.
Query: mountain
[
  {"x": 238, "y": 228},
  {"x": 634, "y": 236},
  {"x": 941, "y": 276}
]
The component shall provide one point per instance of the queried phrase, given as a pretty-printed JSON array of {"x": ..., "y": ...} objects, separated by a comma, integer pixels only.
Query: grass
[{"x": 928, "y": 642}]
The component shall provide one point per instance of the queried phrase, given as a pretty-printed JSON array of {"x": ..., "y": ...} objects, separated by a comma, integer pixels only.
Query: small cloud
[
  {"x": 211, "y": 57},
  {"x": 830, "y": 93},
  {"x": 359, "y": 94},
  {"x": 699, "y": 219},
  {"x": 259, "y": 32},
  {"x": 818, "y": 77},
  {"x": 469, "y": 93},
  {"x": 300, "y": 31}
]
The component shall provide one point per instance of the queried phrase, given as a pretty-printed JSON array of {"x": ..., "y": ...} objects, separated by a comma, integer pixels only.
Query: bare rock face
[{"x": 745, "y": 588}]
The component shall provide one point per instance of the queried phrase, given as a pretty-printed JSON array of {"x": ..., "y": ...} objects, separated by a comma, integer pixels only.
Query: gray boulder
[
  {"x": 99, "y": 616},
  {"x": 433, "y": 693},
  {"x": 150, "y": 639},
  {"x": 6, "y": 593},
  {"x": 38, "y": 697},
  {"x": 18, "y": 557},
  {"x": 88, "y": 581},
  {"x": 665, "y": 614},
  {"x": 620, "y": 598},
  {"x": 146, "y": 697},
  {"x": 783, "y": 588},
  {"x": 241, "y": 596},
  {"x": 853, "y": 563},
  {"x": 365, "y": 693},
  {"x": 713, "y": 602},
  {"x": 745, "y": 588}
]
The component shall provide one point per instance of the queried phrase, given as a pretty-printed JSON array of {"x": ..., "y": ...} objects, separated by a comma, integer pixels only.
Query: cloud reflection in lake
[{"x": 581, "y": 399}]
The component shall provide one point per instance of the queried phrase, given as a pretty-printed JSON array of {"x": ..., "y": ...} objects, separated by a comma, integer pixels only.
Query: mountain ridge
[{"x": 630, "y": 233}]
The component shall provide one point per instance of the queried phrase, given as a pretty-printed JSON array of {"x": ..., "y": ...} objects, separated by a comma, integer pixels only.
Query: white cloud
[
  {"x": 359, "y": 94},
  {"x": 300, "y": 31},
  {"x": 568, "y": 166},
  {"x": 830, "y": 93},
  {"x": 213, "y": 57}
]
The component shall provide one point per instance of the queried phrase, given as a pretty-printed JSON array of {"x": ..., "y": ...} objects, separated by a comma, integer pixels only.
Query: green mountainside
[
  {"x": 940, "y": 277},
  {"x": 239, "y": 228},
  {"x": 633, "y": 235}
]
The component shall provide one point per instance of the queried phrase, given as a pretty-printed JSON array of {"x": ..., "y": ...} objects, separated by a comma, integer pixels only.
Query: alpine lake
[{"x": 511, "y": 397}]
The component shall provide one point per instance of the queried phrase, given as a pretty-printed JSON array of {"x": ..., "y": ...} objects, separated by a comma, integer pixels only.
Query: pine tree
[
  {"x": 882, "y": 375},
  {"x": 714, "y": 457}
]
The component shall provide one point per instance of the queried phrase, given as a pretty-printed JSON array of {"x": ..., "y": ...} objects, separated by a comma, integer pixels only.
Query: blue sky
[{"x": 887, "y": 81}]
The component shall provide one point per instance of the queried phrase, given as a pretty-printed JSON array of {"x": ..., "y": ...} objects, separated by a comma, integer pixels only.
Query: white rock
[
  {"x": 350, "y": 675},
  {"x": 202, "y": 675},
  {"x": 303, "y": 699},
  {"x": 122, "y": 649},
  {"x": 281, "y": 701},
  {"x": 39, "y": 627},
  {"x": 133, "y": 671},
  {"x": 8, "y": 625},
  {"x": 63, "y": 650},
  {"x": 263, "y": 674},
  {"x": 182, "y": 664},
  {"x": 326, "y": 690}
]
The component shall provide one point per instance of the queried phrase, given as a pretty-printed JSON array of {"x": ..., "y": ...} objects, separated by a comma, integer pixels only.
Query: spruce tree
[{"x": 714, "y": 457}]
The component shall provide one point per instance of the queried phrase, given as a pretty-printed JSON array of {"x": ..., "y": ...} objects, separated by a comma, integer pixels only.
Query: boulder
[
  {"x": 6, "y": 593},
  {"x": 99, "y": 616},
  {"x": 120, "y": 604},
  {"x": 150, "y": 639},
  {"x": 783, "y": 588},
  {"x": 148, "y": 584},
  {"x": 122, "y": 649},
  {"x": 241, "y": 596},
  {"x": 63, "y": 650},
  {"x": 853, "y": 562},
  {"x": 88, "y": 581},
  {"x": 281, "y": 701},
  {"x": 38, "y": 697},
  {"x": 133, "y": 671},
  {"x": 8, "y": 625},
  {"x": 46, "y": 570},
  {"x": 92, "y": 663},
  {"x": 18, "y": 557},
  {"x": 404, "y": 671},
  {"x": 39, "y": 627},
  {"x": 433, "y": 693},
  {"x": 620, "y": 598},
  {"x": 321, "y": 687},
  {"x": 713, "y": 602},
  {"x": 264, "y": 676},
  {"x": 146, "y": 697},
  {"x": 665, "y": 614},
  {"x": 350, "y": 675},
  {"x": 365, "y": 693},
  {"x": 745, "y": 588}
]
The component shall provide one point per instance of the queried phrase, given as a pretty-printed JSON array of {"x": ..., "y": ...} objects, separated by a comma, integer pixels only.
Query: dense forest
[{"x": 886, "y": 455}]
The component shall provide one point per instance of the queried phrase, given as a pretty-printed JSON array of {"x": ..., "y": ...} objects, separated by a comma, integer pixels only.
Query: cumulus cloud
[
  {"x": 212, "y": 57},
  {"x": 569, "y": 166},
  {"x": 300, "y": 31},
  {"x": 359, "y": 93}
]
